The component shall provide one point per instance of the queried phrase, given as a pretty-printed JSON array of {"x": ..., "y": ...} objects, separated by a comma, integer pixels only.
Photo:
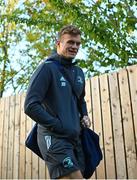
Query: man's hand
[{"x": 86, "y": 121}]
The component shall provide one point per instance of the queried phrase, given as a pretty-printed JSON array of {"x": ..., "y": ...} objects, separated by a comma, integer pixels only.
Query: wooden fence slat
[
  {"x": 117, "y": 127},
  {"x": 132, "y": 71},
  {"x": 42, "y": 169},
  {"x": 89, "y": 108},
  {"x": 35, "y": 163},
  {"x": 10, "y": 138},
  {"x": 128, "y": 125},
  {"x": 2, "y": 101},
  {"x": 97, "y": 122},
  {"x": 107, "y": 127},
  {"x": 88, "y": 100},
  {"x": 47, "y": 173},
  {"x": 35, "y": 171},
  {"x": 28, "y": 165},
  {"x": 22, "y": 140},
  {"x": 16, "y": 138},
  {"x": 5, "y": 139}
]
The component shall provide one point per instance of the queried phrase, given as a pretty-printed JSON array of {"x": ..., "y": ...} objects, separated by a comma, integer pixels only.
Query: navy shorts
[{"x": 62, "y": 156}]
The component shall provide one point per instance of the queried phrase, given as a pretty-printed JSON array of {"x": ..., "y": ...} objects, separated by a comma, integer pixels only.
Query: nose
[{"x": 75, "y": 45}]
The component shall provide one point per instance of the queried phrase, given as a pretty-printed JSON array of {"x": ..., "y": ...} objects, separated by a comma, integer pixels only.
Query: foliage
[{"x": 108, "y": 35}]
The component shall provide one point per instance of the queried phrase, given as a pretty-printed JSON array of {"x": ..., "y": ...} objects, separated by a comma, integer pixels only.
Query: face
[{"x": 68, "y": 45}]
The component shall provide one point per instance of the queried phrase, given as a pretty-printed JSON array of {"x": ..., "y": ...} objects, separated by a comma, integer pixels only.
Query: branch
[{"x": 16, "y": 74}]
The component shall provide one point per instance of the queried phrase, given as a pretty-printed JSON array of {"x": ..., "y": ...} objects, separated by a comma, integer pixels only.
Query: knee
[{"x": 73, "y": 175}]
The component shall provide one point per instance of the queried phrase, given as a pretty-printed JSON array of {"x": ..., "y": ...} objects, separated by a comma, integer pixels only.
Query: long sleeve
[{"x": 36, "y": 94}]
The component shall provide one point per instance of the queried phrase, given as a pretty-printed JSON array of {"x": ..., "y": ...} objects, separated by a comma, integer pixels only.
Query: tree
[
  {"x": 5, "y": 40},
  {"x": 108, "y": 37},
  {"x": 108, "y": 28},
  {"x": 14, "y": 65}
]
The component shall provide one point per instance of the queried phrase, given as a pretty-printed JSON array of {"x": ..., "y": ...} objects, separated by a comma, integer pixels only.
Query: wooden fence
[{"x": 112, "y": 106}]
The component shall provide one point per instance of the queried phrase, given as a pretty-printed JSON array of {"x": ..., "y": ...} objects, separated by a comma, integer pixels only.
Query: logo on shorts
[
  {"x": 67, "y": 162},
  {"x": 48, "y": 141}
]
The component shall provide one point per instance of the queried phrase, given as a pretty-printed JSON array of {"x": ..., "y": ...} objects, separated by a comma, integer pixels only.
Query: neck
[{"x": 63, "y": 60}]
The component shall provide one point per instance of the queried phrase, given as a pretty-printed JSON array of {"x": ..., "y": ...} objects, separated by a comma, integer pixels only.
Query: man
[{"x": 51, "y": 102}]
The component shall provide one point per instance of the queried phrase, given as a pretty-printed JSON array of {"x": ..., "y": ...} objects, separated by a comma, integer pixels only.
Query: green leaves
[{"x": 108, "y": 34}]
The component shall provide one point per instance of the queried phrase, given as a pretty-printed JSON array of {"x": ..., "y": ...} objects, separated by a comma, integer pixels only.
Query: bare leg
[{"x": 73, "y": 175}]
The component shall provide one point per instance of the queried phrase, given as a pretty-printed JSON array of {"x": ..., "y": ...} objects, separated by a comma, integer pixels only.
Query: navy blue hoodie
[{"x": 50, "y": 100}]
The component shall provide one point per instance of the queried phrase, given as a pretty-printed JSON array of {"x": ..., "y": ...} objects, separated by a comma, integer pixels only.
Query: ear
[
  {"x": 58, "y": 45},
  {"x": 57, "y": 42}
]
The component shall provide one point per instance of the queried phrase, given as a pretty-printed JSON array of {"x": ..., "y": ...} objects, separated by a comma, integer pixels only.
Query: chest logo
[
  {"x": 79, "y": 79},
  {"x": 63, "y": 81}
]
